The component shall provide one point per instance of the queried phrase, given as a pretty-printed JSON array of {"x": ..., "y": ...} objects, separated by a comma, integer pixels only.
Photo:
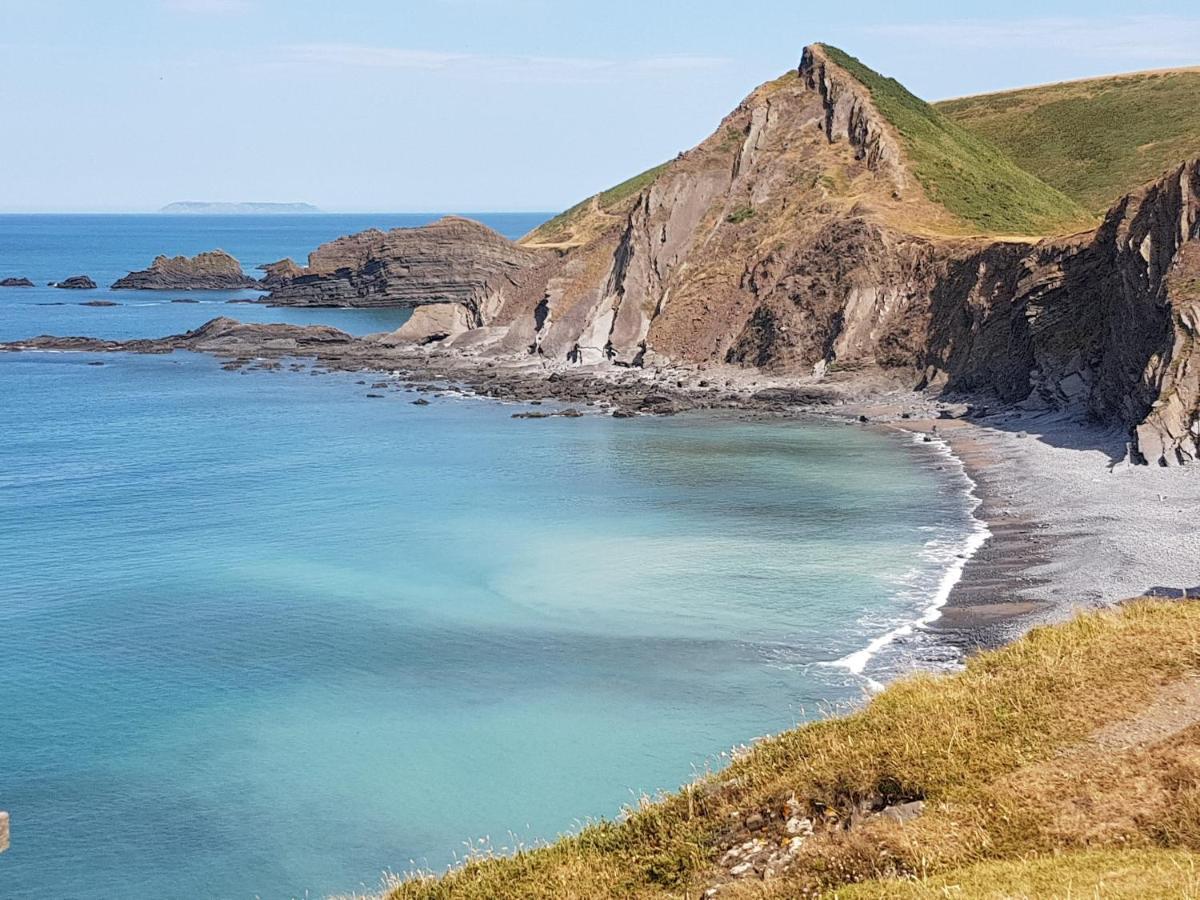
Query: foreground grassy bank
[{"x": 1067, "y": 763}]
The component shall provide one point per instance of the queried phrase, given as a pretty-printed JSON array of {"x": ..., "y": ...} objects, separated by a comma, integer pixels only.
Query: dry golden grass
[
  {"x": 1005, "y": 754},
  {"x": 1104, "y": 875},
  {"x": 1096, "y": 139}
]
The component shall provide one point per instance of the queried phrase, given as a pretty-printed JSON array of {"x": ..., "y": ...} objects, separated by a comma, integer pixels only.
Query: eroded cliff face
[
  {"x": 794, "y": 240},
  {"x": 695, "y": 271},
  {"x": 453, "y": 260}
]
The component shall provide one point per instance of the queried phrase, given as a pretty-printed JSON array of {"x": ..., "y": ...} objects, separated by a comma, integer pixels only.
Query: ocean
[{"x": 263, "y": 636}]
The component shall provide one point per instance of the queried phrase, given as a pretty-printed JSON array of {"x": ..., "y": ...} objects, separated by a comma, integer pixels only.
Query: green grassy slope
[
  {"x": 964, "y": 172},
  {"x": 1094, "y": 140}
]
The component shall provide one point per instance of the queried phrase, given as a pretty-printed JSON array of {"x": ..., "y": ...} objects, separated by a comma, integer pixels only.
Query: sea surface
[
  {"x": 46, "y": 248},
  {"x": 264, "y": 636}
]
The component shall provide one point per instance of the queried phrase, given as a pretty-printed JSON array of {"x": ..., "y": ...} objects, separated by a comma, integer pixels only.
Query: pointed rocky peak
[
  {"x": 967, "y": 175},
  {"x": 850, "y": 111}
]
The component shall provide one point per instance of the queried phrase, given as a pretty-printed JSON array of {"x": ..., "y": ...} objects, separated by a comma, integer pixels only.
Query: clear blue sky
[{"x": 471, "y": 105}]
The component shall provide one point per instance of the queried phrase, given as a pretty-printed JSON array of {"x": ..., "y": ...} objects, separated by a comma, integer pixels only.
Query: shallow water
[{"x": 261, "y": 635}]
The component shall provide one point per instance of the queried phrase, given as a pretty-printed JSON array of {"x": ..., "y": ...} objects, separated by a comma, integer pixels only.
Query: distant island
[{"x": 192, "y": 207}]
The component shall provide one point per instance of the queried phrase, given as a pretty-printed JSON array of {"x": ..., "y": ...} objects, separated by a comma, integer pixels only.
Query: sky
[{"x": 469, "y": 105}]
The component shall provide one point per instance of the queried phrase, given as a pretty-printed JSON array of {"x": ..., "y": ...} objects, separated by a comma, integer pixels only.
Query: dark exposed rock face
[
  {"x": 16, "y": 282},
  {"x": 75, "y": 283},
  {"x": 453, "y": 260},
  {"x": 218, "y": 335},
  {"x": 212, "y": 271}
]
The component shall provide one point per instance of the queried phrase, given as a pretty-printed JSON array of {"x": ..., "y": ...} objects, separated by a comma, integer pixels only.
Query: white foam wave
[{"x": 954, "y": 554}]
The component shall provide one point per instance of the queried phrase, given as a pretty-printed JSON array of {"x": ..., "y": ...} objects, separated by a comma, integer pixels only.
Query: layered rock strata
[
  {"x": 797, "y": 240},
  {"x": 75, "y": 283},
  {"x": 215, "y": 270},
  {"x": 453, "y": 260}
]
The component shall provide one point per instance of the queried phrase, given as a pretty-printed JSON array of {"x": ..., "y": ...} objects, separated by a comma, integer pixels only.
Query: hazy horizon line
[{"x": 318, "y": 212}]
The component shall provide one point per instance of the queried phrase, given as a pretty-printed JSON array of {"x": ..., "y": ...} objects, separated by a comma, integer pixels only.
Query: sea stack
[{"x": 215, "y": 270}]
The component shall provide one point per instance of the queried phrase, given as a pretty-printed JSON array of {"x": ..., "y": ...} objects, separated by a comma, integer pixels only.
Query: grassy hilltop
[
  {"x": 1033, "y": 161},
  {"x": 1062, "y": 764},
  {"x": 1094, "y": 140}
]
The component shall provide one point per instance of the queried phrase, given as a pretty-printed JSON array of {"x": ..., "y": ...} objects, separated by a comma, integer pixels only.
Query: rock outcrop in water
[
  {"x": 278, "y": 274},
  {"x": 453, "y": 260},
  {"x": 16, "y": 282},
  {"x": 212, "y": 271},
  {"x": 75, "y": 283}
]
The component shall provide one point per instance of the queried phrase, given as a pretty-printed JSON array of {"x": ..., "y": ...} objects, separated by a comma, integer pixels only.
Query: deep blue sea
[{"x": 263, "y": 636}]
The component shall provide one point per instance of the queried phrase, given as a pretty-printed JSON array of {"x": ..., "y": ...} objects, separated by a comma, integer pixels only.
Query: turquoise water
[{"x": 262, "y": 636}]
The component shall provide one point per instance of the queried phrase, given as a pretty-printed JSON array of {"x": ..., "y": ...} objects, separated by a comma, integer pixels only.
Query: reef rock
[
  {"x": 16, "y": 282},
  {"x": 279, "y": 273}
]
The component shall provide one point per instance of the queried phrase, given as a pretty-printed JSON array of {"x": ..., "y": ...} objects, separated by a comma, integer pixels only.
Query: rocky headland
[
  {"x": 215, "y": 270},
  {"x": 800, "y": 240}
]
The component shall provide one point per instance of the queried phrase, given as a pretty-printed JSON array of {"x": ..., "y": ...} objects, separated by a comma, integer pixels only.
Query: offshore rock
[
  {"x": 75, "y": 283},
  {"x": 212, "y": 271},
  {"x": 453, "y": 260},
  {"x": 279, "y": 273},
  {"x": 16, "y": 282}
]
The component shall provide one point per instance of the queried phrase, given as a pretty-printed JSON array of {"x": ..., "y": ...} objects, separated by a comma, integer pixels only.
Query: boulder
[{"x": 431, "y": 323}]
